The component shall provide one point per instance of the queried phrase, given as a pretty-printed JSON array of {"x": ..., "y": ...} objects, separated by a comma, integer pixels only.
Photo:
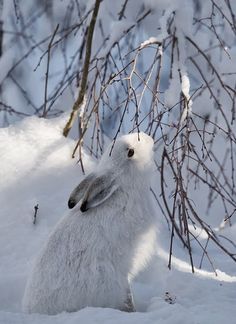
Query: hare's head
[
  {"x": 122, "y": 163},
  {"x": 129, "y": 151}
]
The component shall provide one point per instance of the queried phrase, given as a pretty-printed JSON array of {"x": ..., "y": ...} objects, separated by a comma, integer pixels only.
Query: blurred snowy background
[{"x": 166, "y": 67}]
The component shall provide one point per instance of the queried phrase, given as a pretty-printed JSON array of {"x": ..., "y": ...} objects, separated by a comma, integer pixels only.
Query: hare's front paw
[{"x": 129, "y": 304}]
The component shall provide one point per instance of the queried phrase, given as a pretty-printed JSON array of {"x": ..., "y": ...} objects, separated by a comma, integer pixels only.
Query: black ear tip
[
  {"x": 83, "y": 207},
  {"x": 71, "y": 203}
]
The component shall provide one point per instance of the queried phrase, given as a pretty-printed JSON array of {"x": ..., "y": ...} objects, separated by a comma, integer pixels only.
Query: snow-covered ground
[{"x": 36, "y": 168}]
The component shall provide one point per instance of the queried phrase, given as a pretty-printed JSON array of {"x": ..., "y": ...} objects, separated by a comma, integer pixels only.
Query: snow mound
[{"x": 36, "y": 168}]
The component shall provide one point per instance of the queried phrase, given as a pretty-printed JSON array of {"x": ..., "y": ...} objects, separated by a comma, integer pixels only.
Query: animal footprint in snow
[{"x": 170, "y": 299}]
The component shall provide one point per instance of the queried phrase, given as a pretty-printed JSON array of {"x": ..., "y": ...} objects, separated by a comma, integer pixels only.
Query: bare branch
[{"x": 83, "y": 85}]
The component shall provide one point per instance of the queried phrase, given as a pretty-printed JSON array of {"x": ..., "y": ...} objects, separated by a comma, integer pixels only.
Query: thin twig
[
  {"x": 36, "y": 207},
  {"x": 47, "y": 72}
]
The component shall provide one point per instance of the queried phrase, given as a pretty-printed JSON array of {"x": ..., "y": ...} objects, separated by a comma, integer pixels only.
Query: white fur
[{"x": 91, "y": 256}]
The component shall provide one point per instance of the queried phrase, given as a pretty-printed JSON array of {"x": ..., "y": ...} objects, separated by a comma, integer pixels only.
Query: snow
[
  {"x": 150, "y": 41},
  {"x": 36, "y": 168},
  {"x": 185, "y": 85}
]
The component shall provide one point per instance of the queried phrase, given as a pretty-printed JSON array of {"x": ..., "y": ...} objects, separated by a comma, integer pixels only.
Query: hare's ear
[
  {"x": 78, "y": 193},
  {"x": 99, "y": 190}
]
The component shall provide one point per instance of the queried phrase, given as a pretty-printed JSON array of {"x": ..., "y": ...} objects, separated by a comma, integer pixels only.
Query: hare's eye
[{"x": 130, "y": 153}]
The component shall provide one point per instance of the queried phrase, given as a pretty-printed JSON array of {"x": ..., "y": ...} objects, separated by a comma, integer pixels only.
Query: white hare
[{"x": 108, "y": 236}]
